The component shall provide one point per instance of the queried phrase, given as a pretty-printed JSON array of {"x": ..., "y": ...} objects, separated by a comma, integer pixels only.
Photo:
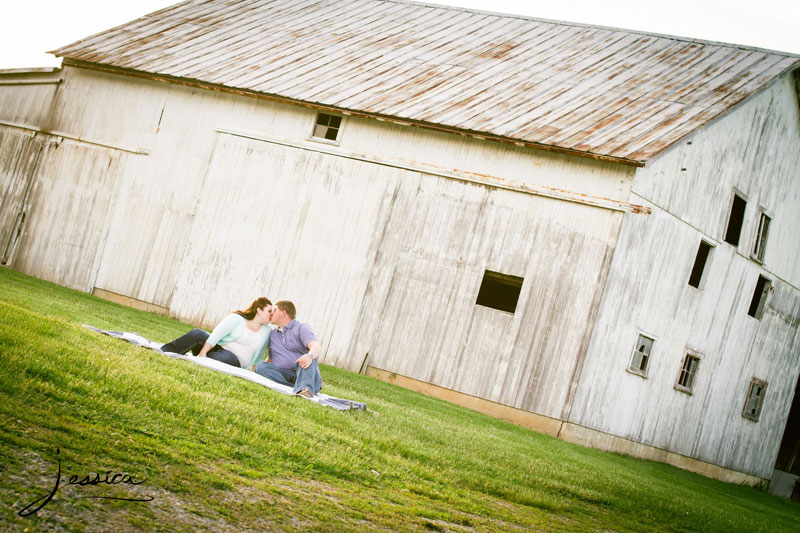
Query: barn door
[
  {"x": 788, "y": 461},
  {"x": 420, "y": 299},
  {"x": 56, "y": 196},
  {"x": 21, "y": 155}
]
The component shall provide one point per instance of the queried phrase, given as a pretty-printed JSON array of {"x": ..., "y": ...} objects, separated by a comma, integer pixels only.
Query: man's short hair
[{"x": 287, "y": 307}]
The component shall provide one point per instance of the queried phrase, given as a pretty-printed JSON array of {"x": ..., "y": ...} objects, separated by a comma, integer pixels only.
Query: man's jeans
[
  {"x": 194, "y": 341},
  {"x": 293, "y": 377}
]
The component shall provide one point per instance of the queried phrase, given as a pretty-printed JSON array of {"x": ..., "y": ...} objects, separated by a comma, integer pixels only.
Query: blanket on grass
[{"x": 322, "y": 399}]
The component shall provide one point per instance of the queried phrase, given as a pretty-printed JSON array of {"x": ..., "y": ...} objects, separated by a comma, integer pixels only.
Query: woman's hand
[{"x": 204, "y": 350}]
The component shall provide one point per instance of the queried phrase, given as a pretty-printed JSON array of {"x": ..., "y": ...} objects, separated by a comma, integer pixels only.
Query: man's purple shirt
[{"x": 287, "y": 345}]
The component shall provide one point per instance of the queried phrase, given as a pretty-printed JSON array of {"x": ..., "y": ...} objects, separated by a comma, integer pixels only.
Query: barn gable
[{"x": 682, "y": 285}]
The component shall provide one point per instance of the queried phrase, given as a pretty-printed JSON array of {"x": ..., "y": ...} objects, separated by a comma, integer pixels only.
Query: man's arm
[{"x": 314, "y": 349}]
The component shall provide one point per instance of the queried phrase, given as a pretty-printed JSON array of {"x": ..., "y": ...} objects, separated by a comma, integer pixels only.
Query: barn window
[
  {"x": 763, "y": 287},
  {"x": 641, "y": 356},
  {"x": 735, "y": 219},
  {"x": 761, "y": 237},
  {"x": 499, "y": 291},
  {"x": 700, "y": 260},
  {"x": 755, "y": 399},
  {"x": 686, "y": 377},
  {"x": 327, "y": 127}
]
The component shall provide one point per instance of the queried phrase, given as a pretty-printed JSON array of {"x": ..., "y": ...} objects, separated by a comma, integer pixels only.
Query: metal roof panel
[{"x": 602, "y": 91}]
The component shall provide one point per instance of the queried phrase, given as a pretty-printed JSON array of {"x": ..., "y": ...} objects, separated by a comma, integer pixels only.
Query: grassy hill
[{"x": 217, "y": 452}]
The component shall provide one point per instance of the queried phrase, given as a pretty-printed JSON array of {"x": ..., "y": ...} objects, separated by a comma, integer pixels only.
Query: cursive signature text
[{"x": 108, "y": 478}]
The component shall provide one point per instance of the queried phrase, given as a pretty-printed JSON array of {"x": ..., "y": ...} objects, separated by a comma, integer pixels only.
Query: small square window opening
[
  {"x": 735, "y": 220},
  {"x": 755, "y": 399},
  {"x": 761, "y": 237},
  {"x": 499, "y": 291},
  {"x": 641, "y": 356},
  {"x": 686, "y": 377},
  {"x": 700, "y": 260},
  {"x": 759, "y": 300},
  {"x": 327, "y": 127}
]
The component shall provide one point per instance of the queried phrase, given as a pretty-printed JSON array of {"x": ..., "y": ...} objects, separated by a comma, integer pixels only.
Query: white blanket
[{"x": 322, "y": 399}]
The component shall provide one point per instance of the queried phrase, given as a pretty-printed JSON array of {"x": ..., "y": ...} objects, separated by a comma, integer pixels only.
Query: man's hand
[{"x": 304, "y": 361}]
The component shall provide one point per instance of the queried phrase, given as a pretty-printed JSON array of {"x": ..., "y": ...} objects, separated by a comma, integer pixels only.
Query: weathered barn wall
[
  {"x": 69, "y": 205},
  {"x": 27, "y": 96},
  {"x": 419, "y": 315},
  {"x": 57, "y": 188},
  {"x": 297, "y": 225},
  {"x": 411, "y": 241},
  {"x": 221, "y": 198},
  {"x": 757, "y": 150},
  {"x": 19, "y": 156}
]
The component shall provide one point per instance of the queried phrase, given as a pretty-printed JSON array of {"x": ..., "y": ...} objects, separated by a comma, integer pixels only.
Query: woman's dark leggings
[{"x": 194, "y": 341}]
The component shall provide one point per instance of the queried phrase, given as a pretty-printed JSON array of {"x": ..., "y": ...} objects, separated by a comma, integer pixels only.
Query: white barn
[{"x": 590, "y": 231}]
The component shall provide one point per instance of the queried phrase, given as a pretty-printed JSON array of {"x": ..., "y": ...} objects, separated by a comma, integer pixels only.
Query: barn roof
[{"x": 596, "y": 91}]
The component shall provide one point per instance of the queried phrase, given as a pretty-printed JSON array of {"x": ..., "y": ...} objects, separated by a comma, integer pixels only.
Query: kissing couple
[{"x": 286, "y": 354}]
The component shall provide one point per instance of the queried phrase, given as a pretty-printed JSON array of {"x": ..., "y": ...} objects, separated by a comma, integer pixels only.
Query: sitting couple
[{"x": 243, "y": 338}]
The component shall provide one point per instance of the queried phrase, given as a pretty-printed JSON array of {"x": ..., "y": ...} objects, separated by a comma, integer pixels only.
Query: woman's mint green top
[{"x": 231, "y": 328}]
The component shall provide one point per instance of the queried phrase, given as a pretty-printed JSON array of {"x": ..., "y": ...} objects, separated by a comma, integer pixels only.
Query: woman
[{"x": 241, "y": 339}]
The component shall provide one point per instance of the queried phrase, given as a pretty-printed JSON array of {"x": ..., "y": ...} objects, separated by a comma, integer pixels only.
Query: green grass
[{"x": 218, "y": 452}]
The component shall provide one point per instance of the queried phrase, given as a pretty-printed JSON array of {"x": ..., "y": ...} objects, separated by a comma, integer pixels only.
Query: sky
[{"x": 29, "y": 28}]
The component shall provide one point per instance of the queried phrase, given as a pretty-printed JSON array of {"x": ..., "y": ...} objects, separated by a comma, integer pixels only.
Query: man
[{"x": 293, "y": 351}]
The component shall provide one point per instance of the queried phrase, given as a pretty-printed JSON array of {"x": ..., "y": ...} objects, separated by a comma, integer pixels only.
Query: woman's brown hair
[{"x": 257, "y": 305}]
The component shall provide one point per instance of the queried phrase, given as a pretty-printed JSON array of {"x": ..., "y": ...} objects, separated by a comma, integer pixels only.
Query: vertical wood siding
[
  {"x": 419, "y": 317},
  {"x": 20, "y": 153},
  {"x": 65, "y": 222},
  {"x": 755, "y": 149},
  {"x": 295, "y": 225},
  {"x": 28, "y": 103}
]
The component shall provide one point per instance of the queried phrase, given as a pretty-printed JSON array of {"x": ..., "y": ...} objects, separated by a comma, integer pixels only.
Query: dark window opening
[
  {"x": 327, "y": 126},
  {"x": 755, "y": 399},
  {"x": 759, "y": 297},
  {"x": 735, "y": 220},
  {"x": 688, "y": 372},
  {"x": 789, "y": 451},
  {"x": 699, "y": 264},
  {"x": 641, "y": 355},
  {"x": 499, "y": 291},
  {"x": 761, "y": 237}
]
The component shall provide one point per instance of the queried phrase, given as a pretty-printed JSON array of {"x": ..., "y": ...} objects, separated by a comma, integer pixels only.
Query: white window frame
[
  {"x": 748, "y": 399},
  {"x": 736, "y": 192},
  {"x": 762, "y": 302},
  {"x": 701, "y": 283},
  {"x": 322, "y": 139},
  {"x": 635, "y": 361},
  {"x": 688, "y": 389},
  {"x": 762, "y": 235}
]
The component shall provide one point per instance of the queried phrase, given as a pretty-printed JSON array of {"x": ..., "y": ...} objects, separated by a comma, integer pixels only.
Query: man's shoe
[{"x": 305, "y": 393}]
